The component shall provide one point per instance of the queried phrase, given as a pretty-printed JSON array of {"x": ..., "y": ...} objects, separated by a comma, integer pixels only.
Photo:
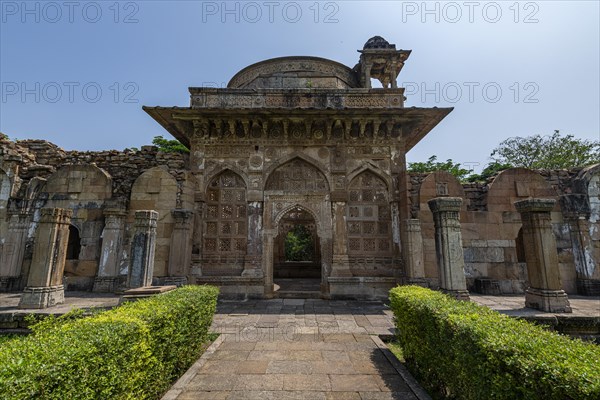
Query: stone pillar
[
  {"x": 268, "y": 243},
  {"x": 180, "y": 252},
  {"x": 253, "y": 259},
  {"x": 143, "y": 245},
  {"x": 448, "y": 245},
  {"x": 415, "y": 264},
  {"x": 44, "y": 284},
  {"x": 107, "y": 279},
  {"x": 13, "y": 252},
  {"x": 545, "y": 291},
  {"x": 576, "y": 213},
  {"x": 340, "y": 265}
]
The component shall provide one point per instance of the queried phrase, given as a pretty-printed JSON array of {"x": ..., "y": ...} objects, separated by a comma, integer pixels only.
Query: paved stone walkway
[{"x": 299, "y": 349}]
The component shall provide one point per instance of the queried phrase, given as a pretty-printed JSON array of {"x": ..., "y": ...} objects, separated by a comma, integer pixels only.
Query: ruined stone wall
[
  {"x": 36, "y": 174},
  {"x": 40, "y": 158}
]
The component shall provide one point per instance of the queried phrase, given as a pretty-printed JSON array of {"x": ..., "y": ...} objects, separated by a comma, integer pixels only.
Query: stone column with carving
[
  {"x": 44, "y": 283},
  {"x": 143, "y": 245},
  {"x": 253, "y": 259},
  {"x": 268, "y": 243},
  {"x": 180, "y": 251},
  {"x": 340, "y": 262},
  {"x": 107, "y": 279},
  {"x": 13, "y": 252},
  {"x": 448, "y": 245},
  {"x": 545, "y": 291},
  {"x": 576, "y": 213},
  {"x": 415, "y": 264}
]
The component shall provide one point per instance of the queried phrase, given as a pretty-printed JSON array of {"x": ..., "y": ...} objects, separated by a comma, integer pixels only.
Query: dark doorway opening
[
  {"x": 73, "y": 244},
  {"x": 297, "y": 255}
]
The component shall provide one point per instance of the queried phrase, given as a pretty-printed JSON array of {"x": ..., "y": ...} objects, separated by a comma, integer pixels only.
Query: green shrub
[
  {"x": 466, "y": 351},
  {"x": 134, "y": 351}
]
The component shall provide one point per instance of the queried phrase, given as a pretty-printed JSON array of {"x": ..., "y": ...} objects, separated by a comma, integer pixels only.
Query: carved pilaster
[
  {"x": 576, "y": 212},
  {"x": 268, "y": 243},
  {"x": 545, "y": 292},
  {"x": 13, "y": 251},
  {"x": 340, "y": 263},
  {"x": 252, "y": 261},
  {"x": 143, "y": 246},
  {"x": 44, "y": 283},
  {"x": 112, "y": 248},
  {"x": 448, "y": 245},
  {"x": 180, "y": 253},
  {"x": 415, "y": 264}
]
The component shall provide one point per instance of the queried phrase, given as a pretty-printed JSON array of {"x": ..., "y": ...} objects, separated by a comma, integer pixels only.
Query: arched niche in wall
[
  {"x": 500, "y": 252},
  {"x": 83, "y": 189}
]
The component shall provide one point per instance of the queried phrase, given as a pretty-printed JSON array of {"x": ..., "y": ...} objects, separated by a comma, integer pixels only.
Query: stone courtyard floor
[{"x": 299, "y": 349}]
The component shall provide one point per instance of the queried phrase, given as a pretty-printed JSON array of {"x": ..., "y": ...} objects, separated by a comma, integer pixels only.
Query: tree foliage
[
  {"x": 169, "y": 146},
  {"x": 489, "y": 171},
  {"x": 432, "y": 165},
  {"x": 547, "y": 152},
  {"x": 298, "y": 244}
]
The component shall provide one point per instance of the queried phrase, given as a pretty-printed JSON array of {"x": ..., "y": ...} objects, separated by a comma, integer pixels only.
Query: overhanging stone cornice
[{"x": 253, "y": 125}]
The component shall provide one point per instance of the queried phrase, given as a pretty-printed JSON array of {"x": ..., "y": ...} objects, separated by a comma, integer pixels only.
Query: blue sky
[{"x": 77, "y": 73}]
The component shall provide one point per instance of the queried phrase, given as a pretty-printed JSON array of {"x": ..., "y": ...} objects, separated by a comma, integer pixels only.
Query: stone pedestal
[
  {"x": 415, "y": 265},
  {"x": 107, "y": 278},
  {"x": 448, "y": 246},
  {"x": 545, "y": 292},
  {"x": 180, "y": 253},
  {"x": 44, "y": 283},
  {"x": 143, "y": 245},
  {"x": 13, "y": 252}
]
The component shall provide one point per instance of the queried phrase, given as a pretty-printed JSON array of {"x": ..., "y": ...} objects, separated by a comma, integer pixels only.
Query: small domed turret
[{"x": 377, "y": 42}]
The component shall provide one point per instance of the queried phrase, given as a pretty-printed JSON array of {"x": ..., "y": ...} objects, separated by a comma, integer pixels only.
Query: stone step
[{"x": 298, "y": 294}]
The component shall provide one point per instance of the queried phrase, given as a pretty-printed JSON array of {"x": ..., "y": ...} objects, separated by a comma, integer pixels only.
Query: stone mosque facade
[{"x": 293, "y": 144}]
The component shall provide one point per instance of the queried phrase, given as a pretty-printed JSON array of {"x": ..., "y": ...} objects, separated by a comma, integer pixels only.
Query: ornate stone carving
[{"x": 298, "y": 176}]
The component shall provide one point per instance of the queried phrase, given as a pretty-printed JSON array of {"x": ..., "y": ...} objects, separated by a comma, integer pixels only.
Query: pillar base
[
  {"x": 585, "y": 287},
  {"x": 554, "y": 301},
  {"x": 9, "y": 283},
  {"x": 457, "y": 294},
  {"x": 42, "y": 297},
  {"x": 175, "y": 281},
  {"x": 106, "y": 284}
]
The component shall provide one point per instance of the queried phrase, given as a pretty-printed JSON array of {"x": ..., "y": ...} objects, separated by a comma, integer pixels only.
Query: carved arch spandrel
[
  {"x": 297, "y": 176},
  {"x": 213, "y": 173},
  {"x": 375, "y": 170}
]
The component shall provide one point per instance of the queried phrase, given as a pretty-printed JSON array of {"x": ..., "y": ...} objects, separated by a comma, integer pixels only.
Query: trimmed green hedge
[
  {"x": 461, "y": 350},
  {"x": 134, "y": 351}
]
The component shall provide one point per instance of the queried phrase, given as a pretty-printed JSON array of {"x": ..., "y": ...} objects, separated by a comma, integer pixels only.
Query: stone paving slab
[
  {"x": 313, "y": 350},
  {"x": 583, "y": 306},
  {"x": 354, "y": 370}
]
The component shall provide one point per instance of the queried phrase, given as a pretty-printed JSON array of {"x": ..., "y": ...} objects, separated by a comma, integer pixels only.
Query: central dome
[{"x": 294, "y": 73}]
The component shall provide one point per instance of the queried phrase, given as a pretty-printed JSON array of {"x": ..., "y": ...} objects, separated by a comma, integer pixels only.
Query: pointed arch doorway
[{"x": 297, "y": 255}]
